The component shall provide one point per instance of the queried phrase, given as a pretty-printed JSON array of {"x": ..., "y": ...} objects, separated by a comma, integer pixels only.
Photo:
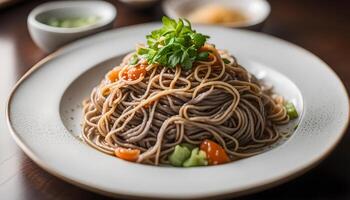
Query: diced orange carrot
[
  {"x": 113, "y": 75},
  {"x": 127, "y": 153}
]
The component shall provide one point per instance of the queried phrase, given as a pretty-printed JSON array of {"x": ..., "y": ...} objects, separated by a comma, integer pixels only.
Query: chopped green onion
[
  {"x": 133, "y": 60},
  {"x": 291, "y": 110},
  {"x": 71, "y": 22},
  {"x": 66, "y": 24},
  {"x": 53, "y": 22},
  {"x": 179, "y": 155},
  {"x": 198, "y": 158},
  {"x": 226, "y": 61}
]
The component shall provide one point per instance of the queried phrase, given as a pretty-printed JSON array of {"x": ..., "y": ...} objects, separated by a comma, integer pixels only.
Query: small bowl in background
[
  {"x": 255, "y": 11},
  {"x": 49, "y": 38}
]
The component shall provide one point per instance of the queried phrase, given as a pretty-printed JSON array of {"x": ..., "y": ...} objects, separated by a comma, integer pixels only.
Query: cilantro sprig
[{"x": 176, "y": 43}]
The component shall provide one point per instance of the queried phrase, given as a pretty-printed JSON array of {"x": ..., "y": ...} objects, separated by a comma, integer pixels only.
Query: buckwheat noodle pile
[{"x": 217, "y": 99}]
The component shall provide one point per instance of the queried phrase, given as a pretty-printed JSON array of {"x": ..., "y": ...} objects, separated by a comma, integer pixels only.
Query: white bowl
[
  {"x": 49, "y": 38},
  {"x": 256, "y": 10}
]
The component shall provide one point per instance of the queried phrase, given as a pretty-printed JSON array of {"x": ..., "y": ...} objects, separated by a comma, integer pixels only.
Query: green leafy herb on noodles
[
  {"x": 176, "y": 43},
  {"x": 203, "y": 55}
]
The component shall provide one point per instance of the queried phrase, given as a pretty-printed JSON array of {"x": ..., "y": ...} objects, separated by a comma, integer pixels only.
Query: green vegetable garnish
[
  {"x": 198, "y": 158},
  {"x": 133, "y": 60},
  {"x": 291, "y": 110},
  {"x": 72, "y": 22},
  {"x": 203, "y": 55},
  {"x": 188, "y": 146},
  {"x": 53, "y": 22},
  {"x": 226, "y": 61},
  {"x": 176, "y": 43},
  {"x": 179, "y": 155}
]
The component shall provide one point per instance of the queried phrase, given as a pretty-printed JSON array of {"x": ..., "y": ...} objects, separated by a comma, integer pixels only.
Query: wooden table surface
[{"x": 321, "y": 26}]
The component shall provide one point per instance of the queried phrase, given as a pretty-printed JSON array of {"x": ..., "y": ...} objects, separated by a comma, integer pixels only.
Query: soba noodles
[{"x": 159, "y": 108}]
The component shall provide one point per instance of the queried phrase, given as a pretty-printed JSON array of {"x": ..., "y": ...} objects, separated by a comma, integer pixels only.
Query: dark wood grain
[{"x": 321, "y": 26}]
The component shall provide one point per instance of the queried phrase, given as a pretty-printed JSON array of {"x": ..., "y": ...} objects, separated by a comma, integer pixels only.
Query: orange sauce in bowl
[{"x": 216, "y": 14}]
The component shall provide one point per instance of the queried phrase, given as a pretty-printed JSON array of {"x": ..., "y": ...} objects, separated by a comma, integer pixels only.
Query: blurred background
[{"x": 320, "y": 26}]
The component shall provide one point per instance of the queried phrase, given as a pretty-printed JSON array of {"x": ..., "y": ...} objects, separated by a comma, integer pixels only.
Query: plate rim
[{"x": 268, "y": 183}]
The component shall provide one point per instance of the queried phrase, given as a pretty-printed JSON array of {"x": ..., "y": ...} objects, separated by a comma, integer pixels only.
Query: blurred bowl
[
  {"x": 49, "y": 38},
  {"x": 256, "y": 11}
]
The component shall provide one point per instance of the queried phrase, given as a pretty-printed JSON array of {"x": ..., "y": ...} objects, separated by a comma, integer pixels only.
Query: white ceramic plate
[{"x": 44, "y": 117}]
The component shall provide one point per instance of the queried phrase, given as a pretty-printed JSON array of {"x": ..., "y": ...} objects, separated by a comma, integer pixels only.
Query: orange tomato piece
[
  {"x": 127, "y": 153},
  {"x": 113, "y": 75},
  {"x": 131, "y": 74},
  {"x": 215, "y": 153},
  {"x": 136, "y": 72}
]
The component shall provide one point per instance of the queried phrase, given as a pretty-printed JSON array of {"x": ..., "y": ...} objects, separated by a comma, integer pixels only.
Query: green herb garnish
[
  {"x": 226, "y": 61},
  {"x": 291, "y": 110},
  {"x": 176, "y": 43},
  {"x": 133, "y": 60},
  {"x": 203, "y": 55}
]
